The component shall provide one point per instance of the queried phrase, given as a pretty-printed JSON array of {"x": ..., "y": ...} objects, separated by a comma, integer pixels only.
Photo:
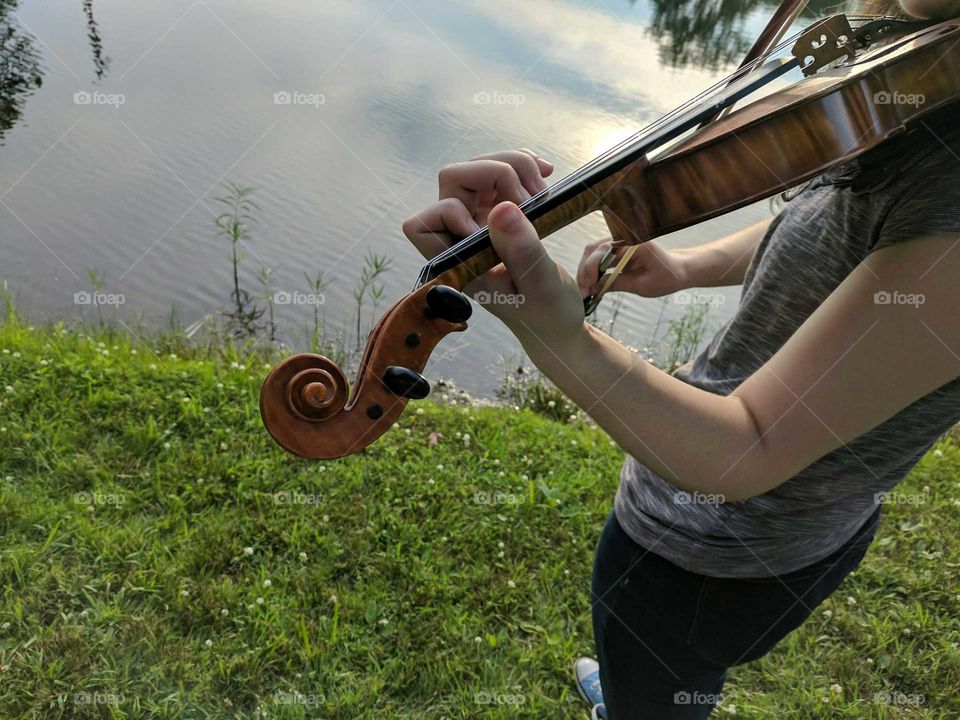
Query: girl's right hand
[{"x": 652, "y": 271}]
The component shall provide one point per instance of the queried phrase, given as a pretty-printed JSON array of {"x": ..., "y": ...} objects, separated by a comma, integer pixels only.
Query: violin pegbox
[
  {"x": 823, "y": 43},
  {"x": 304, "y": 399}
]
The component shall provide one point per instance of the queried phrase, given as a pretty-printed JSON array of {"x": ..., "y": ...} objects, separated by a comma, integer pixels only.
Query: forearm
[
  {"x": 699, "y": 441},
  {"x": 723, "y": 261}
]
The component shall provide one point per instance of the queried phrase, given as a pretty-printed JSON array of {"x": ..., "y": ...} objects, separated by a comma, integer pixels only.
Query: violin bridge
[{"x": 824, "y": 42}]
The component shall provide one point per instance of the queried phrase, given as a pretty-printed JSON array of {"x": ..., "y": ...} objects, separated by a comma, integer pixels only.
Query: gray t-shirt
[{"x": 815, "y": 242}]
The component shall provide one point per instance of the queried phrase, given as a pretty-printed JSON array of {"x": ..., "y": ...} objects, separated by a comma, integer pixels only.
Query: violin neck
[{"x": 584, "y": 191}]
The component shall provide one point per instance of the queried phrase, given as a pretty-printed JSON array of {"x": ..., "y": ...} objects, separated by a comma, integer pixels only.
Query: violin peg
[
  {"x": 405, "y": 382},
  {"x": 449, "y": 304}
]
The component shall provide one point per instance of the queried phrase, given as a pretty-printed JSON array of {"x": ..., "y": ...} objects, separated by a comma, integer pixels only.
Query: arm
[
  {"x": 851, "y": 366},
  {"x": 654, "y": 271},
  {"x": 723, "y": 261}
]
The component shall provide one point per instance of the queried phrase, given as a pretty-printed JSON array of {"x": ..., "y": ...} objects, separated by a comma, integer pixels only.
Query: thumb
[{"x": 517, "y": 244}]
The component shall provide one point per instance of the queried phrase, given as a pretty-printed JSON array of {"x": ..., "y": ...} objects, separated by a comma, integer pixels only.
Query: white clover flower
[
  {"x": 511, "y": 584},
  {"x": 260, "y": 601},
  {"x": 224, "y": 612},
  {"x": 836, "y": 689},
  {"x": 208, "y": 643},
  {"x": 938, "y": 453},
  {"x": 303, "y": 557},
  {"x": 419, "y": 411},
  {"x": 248, "y": 550},
  {"x": 9, "y": 388},
  {"x": 267, "y": 583},
  {"x": 185, "y": 593}
]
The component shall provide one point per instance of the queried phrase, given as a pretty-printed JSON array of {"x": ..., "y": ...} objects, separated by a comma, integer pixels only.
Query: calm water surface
[{"x": 183, "y": 96}]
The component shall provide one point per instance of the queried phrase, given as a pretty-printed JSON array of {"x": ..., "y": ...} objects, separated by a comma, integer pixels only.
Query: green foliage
[
  {"x": 374, "y": 266},
  {"x": 160, "y": 557},
  {"x": 234, "y": 225}
]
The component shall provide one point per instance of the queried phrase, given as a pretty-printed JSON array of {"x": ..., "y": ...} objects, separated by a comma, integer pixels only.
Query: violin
[{"x": 695, "y": 163}]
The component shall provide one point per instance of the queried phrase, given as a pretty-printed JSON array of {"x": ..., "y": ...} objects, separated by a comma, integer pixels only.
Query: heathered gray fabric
[{"x": 813, "y": 244}]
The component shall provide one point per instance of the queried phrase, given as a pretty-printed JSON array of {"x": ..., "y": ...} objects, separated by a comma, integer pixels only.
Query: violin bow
[{"x": 784, "y": 16}]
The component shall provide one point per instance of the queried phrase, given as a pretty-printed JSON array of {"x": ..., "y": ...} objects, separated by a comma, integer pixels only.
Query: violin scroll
[{"x": 304, "y": 399}]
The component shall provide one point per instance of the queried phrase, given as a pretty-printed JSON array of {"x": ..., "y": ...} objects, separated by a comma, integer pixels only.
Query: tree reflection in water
[
  {"x": 713, "y": 33},
  {"x": 20, "y": 70}
]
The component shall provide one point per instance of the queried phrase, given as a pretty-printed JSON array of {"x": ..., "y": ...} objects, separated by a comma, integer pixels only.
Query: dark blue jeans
[{"x": 666, "y": 637}]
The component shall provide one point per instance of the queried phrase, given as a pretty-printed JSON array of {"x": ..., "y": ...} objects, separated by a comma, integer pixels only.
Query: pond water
[{"x": 122, "y": 120}]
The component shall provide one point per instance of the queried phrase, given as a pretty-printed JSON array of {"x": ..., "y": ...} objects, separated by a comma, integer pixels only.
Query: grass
[{"x": 162, "y": 558}]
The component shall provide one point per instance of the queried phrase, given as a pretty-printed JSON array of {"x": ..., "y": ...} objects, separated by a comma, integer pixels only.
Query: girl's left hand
[{"x": 533, "y": 296}]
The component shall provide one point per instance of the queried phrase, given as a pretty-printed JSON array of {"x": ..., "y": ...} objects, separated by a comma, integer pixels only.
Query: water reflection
[
  {"x": 127, "y": 189},
  {"x": 708, "y": 33},
  {"x": 100, "y": 61},
  {"x": 20, "y": 71}
]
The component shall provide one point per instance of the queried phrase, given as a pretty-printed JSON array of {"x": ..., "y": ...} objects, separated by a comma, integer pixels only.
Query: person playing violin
[{"x": 755, "y": 474}]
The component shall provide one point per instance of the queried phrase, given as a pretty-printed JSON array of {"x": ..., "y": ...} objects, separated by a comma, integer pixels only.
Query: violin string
[
  {"x": 577, "y": 175},
  {"x": 722, "y": 83}
]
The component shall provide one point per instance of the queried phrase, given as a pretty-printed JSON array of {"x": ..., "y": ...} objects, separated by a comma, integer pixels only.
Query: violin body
[
  {"x": 764, "y": 148},
  {"x": 796, "y": 134}
]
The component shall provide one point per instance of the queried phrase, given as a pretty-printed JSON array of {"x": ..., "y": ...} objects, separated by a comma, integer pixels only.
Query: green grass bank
[{"x": 162, "y": 558}]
